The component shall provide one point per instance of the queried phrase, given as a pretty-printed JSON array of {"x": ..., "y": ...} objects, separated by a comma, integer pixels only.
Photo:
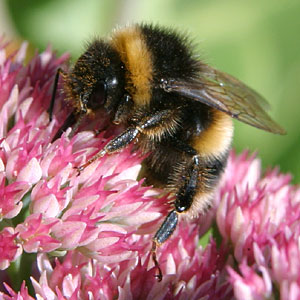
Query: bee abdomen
[{"x": 217, "y": 136}]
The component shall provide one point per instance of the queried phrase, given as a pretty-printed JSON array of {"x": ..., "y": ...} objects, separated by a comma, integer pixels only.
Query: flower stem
[{"x": 21, "y": 270}]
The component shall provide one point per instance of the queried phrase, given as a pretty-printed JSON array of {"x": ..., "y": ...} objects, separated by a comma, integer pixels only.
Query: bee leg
[
  {"x": 51, "y": 107},
  {"x": 145, "y": 125},
  {"x": 123, "y": 110},
  {"x": 163, "y": 233},
  {"x": 187, "y": 191},
  {"x": 71, "y": 119},
  {"x": 114, "y": 145},
  {"x": 184, "y": 200},
  {"x": 77, "y": 123}
]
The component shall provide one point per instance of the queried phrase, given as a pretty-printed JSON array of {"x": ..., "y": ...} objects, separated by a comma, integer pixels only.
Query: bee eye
[{"x": 98, "y": 96}]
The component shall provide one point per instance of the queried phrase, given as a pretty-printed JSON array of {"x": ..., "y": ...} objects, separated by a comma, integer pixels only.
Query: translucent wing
[{"x": 226, "y": 93}]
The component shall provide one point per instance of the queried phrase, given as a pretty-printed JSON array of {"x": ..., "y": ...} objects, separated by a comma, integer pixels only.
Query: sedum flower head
[
  {"x": 258, "y": 216},
  {"x": 90, "y": 234}
]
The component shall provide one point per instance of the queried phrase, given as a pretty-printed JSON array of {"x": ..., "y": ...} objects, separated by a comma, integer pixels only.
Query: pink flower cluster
[
  {"x": 91, "y": 232},
  {"x": 259, "y": 217}
]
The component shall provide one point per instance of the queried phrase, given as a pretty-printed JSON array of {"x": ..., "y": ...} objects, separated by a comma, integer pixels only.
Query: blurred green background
[{"x": 256, "y": 41}]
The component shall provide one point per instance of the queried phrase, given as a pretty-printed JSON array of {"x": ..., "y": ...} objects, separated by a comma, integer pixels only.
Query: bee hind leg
[
  {"x": 163, "y": 233},
  {"x": 184, "y": 200}
]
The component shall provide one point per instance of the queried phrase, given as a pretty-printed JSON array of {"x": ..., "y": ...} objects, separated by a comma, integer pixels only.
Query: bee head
[{"x": 97, "y": 79}]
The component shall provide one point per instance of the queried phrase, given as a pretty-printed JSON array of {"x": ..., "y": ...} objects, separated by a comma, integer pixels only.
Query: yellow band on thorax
[{"x": 130, "y": 45}]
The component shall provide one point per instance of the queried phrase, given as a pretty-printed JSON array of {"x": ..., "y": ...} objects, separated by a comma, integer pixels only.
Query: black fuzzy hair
[{"x": 172, "y": 53}]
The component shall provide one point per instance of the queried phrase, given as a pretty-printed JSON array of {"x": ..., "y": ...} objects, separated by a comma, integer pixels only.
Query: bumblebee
[{"x": 173, "y": 106}]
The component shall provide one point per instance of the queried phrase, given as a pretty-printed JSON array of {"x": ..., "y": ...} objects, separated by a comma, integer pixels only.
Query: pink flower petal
[{"x": 31, "y": 173}]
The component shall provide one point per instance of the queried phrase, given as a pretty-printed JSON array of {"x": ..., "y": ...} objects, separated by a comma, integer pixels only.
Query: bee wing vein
[{"x": 226, "y": 93}]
